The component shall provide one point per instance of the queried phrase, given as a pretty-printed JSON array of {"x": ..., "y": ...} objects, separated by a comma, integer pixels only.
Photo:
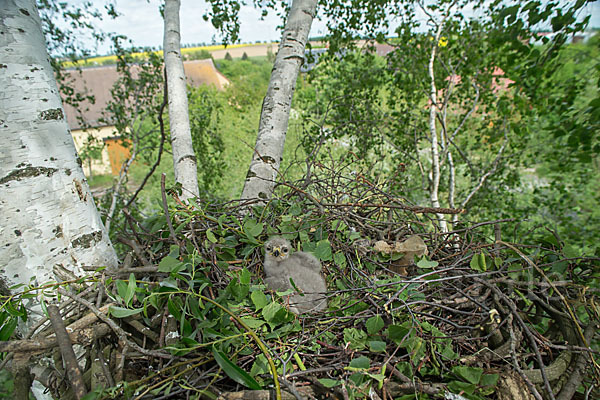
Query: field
[{"x": 111, "y": 59}]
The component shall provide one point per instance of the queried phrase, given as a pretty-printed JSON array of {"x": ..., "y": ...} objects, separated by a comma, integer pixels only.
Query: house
[{"x": 85, "y": 120}]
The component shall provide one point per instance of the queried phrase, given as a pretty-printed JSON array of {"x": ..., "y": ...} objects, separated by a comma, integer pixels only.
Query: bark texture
[
  {"x": 184, "y": 159},
  {"x": 260, "y": 180},
  {"x": 48, "y": 218},
  {"x": 435, "y": 156}
]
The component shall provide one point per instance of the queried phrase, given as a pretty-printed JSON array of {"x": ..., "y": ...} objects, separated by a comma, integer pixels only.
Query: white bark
[
  {"x": 435, "y": 155},
  {"x": 184, "y": 159},
  {"x": 268, "y": 152},
  {"x": 48, "y": 218}
]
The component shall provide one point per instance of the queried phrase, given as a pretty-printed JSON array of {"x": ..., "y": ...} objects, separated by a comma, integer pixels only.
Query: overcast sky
[{"x": 141, "y": 22}]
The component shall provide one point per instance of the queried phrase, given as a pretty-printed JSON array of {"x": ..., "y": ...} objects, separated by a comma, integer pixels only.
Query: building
[{"x": 85, "y": 121}]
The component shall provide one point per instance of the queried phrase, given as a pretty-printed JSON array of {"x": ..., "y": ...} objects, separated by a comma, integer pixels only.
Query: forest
[{"x": 431, "y": 165}]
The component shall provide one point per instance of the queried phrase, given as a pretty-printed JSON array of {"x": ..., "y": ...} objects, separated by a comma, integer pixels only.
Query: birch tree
[
  {"x": 49, "y": 224},
  {"x": 184, "y": 159},
  {"x": 268, "y": 151}
]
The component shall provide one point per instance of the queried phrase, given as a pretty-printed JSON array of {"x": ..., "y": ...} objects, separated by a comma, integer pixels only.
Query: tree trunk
[
  {"x": 48, "y": 218},
  {"x": 435, "y": 155},
  {"x": 184, "y": 159},
  {"x": 260, "y": 180}
]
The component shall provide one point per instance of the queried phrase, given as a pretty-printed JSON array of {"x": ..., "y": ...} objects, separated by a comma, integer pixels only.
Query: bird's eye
[
  {"x": 285, "y": 249},
  {"x": 269, "y": 248}
]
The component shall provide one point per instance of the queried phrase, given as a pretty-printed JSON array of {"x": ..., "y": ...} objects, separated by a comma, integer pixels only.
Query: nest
[{"x": 187, "y": 314}]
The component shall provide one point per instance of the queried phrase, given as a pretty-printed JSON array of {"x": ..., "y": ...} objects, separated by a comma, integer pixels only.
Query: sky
[{"x": 140, "y": 20}]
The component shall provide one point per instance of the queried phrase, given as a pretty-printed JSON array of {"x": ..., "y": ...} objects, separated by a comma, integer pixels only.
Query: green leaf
[
  {"x": 170, "y": 264},
  {"x": 361, "y": 362},
  {"x": 426, "y": 264},
  {"x": 8, "y": 328},
  {"x": 175, "y": 306},
  {"x": 356, "y": 337},
  {"x": 329, "y": 383},
  {"x": 259, "y": 299},
  {"x": 233, "y": 371},
  {"x": 397, "y": 333},
  {"x": 478, "y": 262},
  {"x": 323, "y": 250},
  {"x": 12, "y": 310},
  {"x": 374, "y": 324},
  {"x": 120, "y": 312},
  {"x": 253, "y": 228},
  {"x": 245, "y": 276},
  {"x": 211, "y": 236},
  {"x": 462, "y": 387},
  {"x": 274, "y": 313},
  {"x": 169, "y": 283},
  {"x": 470, "y": 374},
  {"x": 377, "y": 346},
  {"x": 260, "y": 365},
  {"x": 130, "y": 290},
  {"x": 489, "y": 380},
  {"x": 571, "y": 251},
  {"x": 253, "y": 322},
  {"x": 340, "y": 259}
]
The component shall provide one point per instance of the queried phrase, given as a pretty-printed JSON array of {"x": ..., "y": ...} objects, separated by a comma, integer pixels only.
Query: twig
[
  {"x": 116, "y": 328},
  {"x": 527, "y": 332},
  {"x": 166, "y": 207},
  {"x": 292, "y": 389},
  {"x": 136, "y": 249},
  {"x": 104, "y": 365},
  {"x": 415, "y": 209},
  {"x": 66, "y": 350}
]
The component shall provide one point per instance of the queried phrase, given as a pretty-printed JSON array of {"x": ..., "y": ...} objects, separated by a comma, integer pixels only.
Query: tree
[
  {"x": 49, "y": 217},
  {"x": 135, "y": 105},
  {"x": 184, "y": 159},
  {"x": 264, "y": 167},
  {"x": 449, "y": 101},
  {"x": 50, "y": 225}
]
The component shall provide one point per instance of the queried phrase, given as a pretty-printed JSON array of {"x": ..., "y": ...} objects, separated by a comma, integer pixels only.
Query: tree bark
[
  {"x": 268, "y": 152},
  {"x": 47, "y": 213},
  {"x": 184, "y": 159},
  {"x": 435, "y": 155}
]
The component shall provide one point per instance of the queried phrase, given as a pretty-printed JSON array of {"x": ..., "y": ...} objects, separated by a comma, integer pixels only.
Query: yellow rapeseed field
[{"x": 101, "y": 59}]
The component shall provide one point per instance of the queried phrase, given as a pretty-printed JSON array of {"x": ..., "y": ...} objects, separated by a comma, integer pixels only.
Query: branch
[
  {"x": 116, "y": 328},
  {"x": 66, "y": 350}
]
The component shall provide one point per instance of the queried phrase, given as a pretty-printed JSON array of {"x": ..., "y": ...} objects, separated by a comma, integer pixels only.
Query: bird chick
[{"x": 303, "y": 268}]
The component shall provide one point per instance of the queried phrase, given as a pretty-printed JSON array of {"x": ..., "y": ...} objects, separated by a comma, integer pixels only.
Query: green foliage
[
  {"x": 6, "y": 384},
  {"x": 209, "y": 281},
  {"x": 205, "y": 110},
  {"x": 198, "y": 55},
  {"x": 90, "y": 150}
]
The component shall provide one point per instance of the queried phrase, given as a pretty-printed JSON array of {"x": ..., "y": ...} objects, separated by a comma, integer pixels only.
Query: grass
[{"x": 100, "y": 181}]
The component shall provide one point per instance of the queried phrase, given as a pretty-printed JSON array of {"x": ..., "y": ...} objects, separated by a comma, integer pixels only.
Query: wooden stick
[{"x": 66, "y": 350}]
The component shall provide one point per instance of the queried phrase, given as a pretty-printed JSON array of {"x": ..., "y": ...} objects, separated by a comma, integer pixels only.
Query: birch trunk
[
  {"x": 435, "y": 154},
  {"x": 184, "y": 159},
  {"x": 48, "y": 219},
  {"x": 268, "y": 152}
]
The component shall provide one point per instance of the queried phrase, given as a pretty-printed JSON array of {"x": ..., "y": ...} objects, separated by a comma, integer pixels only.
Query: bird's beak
[{"x": 276, "y": 252}]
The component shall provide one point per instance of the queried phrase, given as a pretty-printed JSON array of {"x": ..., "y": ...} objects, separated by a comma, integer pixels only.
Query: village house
[{"x": 85, "y": 121}]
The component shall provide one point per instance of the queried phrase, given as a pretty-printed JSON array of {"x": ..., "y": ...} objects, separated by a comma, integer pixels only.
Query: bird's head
[{"x": 277, "y": 248}]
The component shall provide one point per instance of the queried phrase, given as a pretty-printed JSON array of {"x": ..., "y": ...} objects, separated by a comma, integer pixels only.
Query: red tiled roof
[{"x": 99, "y": 80}]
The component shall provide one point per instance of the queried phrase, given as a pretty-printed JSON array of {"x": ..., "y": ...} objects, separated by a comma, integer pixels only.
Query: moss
[
  {"x": 87, "y": 240},
  {"x": 27, "y": 172},
  {"x": 52, "y": 114}
]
